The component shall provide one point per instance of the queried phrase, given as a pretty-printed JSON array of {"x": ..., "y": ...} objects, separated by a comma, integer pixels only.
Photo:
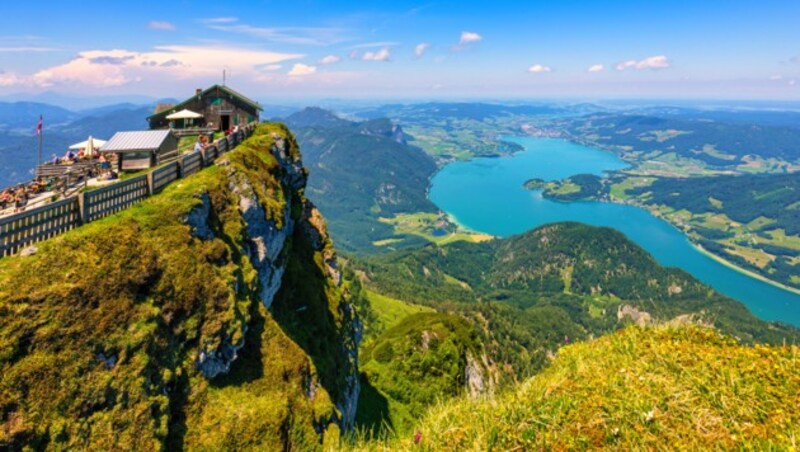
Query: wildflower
[{"x": 417, "y": 437}]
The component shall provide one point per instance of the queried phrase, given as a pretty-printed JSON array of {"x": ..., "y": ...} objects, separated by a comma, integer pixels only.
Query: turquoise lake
[{"x": 487, "y": 195}]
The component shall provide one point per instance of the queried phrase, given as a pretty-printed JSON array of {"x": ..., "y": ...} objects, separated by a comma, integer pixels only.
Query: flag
[{"x": 39, "y": 127}]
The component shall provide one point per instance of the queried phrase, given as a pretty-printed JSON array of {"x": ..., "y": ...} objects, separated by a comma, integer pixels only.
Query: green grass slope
[
  {"x": 100, "y": 331},
  {"x": 685, "y": 388}
]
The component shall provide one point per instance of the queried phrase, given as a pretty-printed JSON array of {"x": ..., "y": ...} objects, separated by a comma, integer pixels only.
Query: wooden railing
[
  {"x": 191, "y": 163},
  {"x": 104, "y": 201},
  {"x": 22, "y": 229},
  {"x": 25, "y": 228},
  {"x": 163, "y": 176}
]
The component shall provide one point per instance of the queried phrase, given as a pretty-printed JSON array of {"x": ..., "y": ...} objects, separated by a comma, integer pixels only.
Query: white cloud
[
  {"x": 107, "y": 68},
  {"x": 653, "y": 62},
  {"x": 368, "y": 45},
  {"x": 792, "y": 82},
  {"x": 538, "y": 68},
  {"x": 381, "y": 55},
  {"x": 301, "y": 69},
  {"x": 272, "y": 67},
  {"x": 160, "y": 25},
  {"x": 420, "y": 49},
  {"x": 290, "y": 35},
  {"x": 219, "y": 20},
  {"x": 330, "y": 59},
  {"x": 596, "y": 68},
  {"x": 26, "y": 49},
  {"x": 468, "y": 37},
  {"x": 11, "y": 79},
  {"x": 775, "y": 77},
  {"x": 795, "y": 59}
]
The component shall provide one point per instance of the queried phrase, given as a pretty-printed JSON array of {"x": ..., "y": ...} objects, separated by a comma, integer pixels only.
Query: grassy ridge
[
  {"x": 101, "y": 329},
  {"x": 681, "y": 387}
]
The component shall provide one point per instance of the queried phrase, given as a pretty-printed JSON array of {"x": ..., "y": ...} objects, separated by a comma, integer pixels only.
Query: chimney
[{"x": 198, "y": 91}]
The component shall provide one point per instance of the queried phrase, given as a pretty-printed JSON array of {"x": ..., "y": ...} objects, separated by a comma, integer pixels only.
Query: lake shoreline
[
  {"x": 655, "y": 213},
  {"x": 488, "y": 195},
  {"x": 697, "y": 246},
  {"x": 742, "y": 270}
]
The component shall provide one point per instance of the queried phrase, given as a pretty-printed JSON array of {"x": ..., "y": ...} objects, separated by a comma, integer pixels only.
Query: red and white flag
[{"x": 39, "y": 127}]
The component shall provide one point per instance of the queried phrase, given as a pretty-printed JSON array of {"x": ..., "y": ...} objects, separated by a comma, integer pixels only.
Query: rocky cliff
[{"x": 213, "y": 315}]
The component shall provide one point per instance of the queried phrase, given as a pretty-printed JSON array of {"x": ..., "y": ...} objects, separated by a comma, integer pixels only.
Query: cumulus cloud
[
  {"x": 160, "y": 25},
  {"x": 380, "y": 55},
  {"x": 330, "y": 59},
  {"x": 10, "y": 79},
  {"x": 596, "y": 68},
  {"x": 420, "y": 49},
  {"x": 468, "y": 37},
  {"x": 110, "y": 59},
  {"x": 301, "y": 69},
  {"x": 653, "y": 62},
  {"x": 538, "y": 68},
  {"x": 108, "y": 68}
]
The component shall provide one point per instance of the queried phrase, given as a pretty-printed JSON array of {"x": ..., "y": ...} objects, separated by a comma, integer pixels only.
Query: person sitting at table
[
  {"x": 104, "y": 163},
  {"x": 6, "y": 197},
  {"x": 20, "y": 199},
  {"x": 54, "y": 160},
  {"x": 69, "y": 157}
]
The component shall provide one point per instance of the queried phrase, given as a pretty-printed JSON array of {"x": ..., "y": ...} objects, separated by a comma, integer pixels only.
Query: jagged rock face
[
  {"x": 266, "y": 240},
  {"x": 398, "y": 134},
  {"x": 479, "y": 378},
  {"x": 198, "y": 219},
  {"x": 266, "y": 246},
  {"x": 638, "y": 317}
]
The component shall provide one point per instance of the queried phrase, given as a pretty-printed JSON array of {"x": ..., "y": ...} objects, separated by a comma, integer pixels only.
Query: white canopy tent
[
  {"x": 184, "y": 114},
  {"x": 93, "y": 142}
]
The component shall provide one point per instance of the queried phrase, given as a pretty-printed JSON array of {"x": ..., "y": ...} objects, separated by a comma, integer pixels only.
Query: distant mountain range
[{"x": 19, "y": 144}]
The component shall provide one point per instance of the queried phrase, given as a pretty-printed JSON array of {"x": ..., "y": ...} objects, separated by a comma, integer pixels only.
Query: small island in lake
[{"x": 580, "y": 187}]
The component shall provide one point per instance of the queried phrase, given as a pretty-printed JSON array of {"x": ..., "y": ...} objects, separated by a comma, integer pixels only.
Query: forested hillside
[
  {"x": 531, "y": 293},
  {"x": 361, "y": 172}
]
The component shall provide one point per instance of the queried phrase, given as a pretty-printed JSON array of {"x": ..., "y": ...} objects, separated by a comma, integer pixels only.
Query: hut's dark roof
[
  {"x": 162, "y": 108},
  {"x": 177, "y": 107}
]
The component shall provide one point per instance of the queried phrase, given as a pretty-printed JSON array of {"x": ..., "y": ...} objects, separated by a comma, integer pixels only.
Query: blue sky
[{"x": 312, "y": 49}]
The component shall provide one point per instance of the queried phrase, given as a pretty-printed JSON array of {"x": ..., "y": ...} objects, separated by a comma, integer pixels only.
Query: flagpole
[
  {"x": 40, "y": 132},
  {"x": 39, "y": 162}
]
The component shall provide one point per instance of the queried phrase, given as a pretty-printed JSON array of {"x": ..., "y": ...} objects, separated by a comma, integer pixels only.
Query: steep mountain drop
[{"x": 212, "y": 315}]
